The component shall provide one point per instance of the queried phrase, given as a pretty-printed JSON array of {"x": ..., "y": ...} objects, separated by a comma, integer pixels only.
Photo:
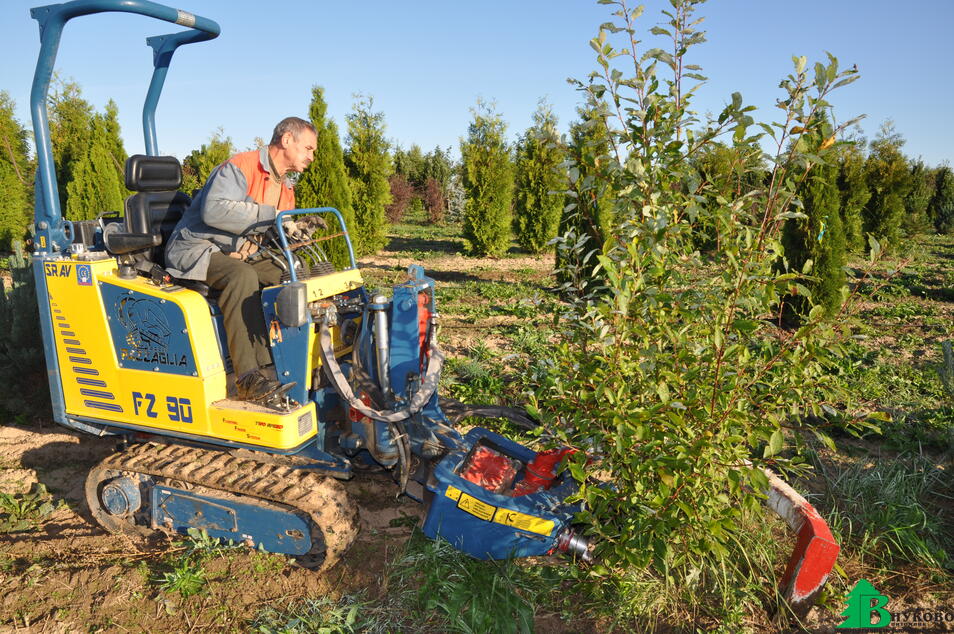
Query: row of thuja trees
[{"x": 678, "y": 240}]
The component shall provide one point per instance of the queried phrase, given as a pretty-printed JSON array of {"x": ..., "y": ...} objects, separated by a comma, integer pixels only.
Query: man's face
[{"x": 300, "y": 152}]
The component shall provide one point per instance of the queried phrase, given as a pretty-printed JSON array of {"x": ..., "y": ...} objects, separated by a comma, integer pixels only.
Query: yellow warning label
[
  {"x": 475, "y": 507},
  {"x": 523, "y": 521}
]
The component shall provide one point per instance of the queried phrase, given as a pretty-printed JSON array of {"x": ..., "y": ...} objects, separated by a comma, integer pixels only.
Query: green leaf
[
  {"x": 800, "y": 63},
  {"x": 775, "y": 444}
]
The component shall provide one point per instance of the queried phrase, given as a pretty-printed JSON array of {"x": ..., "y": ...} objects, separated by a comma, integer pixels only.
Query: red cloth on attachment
[
  {"x": 490, "y": 469},
  {"x": 541, "y": 471}
]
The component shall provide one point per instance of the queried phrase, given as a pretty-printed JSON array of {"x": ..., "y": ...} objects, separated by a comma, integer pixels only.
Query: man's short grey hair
[{"x": 295, "y": 125}]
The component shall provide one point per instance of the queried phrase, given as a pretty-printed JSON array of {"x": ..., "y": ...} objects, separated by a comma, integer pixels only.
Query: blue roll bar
[{"x": 50, "y": 234}]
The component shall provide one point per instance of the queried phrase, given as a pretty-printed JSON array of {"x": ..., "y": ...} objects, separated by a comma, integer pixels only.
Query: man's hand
[
  {"x": 247, "y": 250},
  {"x": 303, "y": 227}
]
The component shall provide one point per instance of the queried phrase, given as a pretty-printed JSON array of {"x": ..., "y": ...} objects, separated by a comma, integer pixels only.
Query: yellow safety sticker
[
  {"x": 475, "y": 507},
  {"x": 523, "y": 521}
]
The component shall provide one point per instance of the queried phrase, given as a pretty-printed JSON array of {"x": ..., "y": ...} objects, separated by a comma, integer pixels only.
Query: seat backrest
[{"x": 158, "y": 205}]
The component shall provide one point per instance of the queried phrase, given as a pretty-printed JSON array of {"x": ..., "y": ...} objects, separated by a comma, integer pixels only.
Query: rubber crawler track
[{"x": 322, "y": 498}]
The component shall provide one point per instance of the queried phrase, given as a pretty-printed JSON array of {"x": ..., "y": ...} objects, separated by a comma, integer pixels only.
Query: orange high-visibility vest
[{"x": 257, "y": 176}]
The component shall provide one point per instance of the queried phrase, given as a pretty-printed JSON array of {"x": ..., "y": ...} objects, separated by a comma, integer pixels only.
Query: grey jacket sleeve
[{"x": 226, "y": 206}]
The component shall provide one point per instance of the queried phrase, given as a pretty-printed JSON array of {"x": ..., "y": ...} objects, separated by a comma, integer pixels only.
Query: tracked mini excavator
[{"x": 135, "y": 354}]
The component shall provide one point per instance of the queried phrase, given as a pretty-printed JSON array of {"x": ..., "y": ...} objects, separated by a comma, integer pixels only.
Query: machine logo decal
[
  {"x": 84, "y": 275},
  {"x": 54, "y": 269},
  {"x": 147, "y": 333}
]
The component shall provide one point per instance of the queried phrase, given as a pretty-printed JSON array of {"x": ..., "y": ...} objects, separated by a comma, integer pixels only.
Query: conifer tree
[
  {"x": 106, "y": 126},
  {"x": 488, "y": 183},
  {"x": 916, "y": 201},
  {"x": 727, "y": 169},
  {"x": 95, "y": 186},
  {"x": 325, "y": 182},
  {"x": 853, "y": 188},
  {"x": 197, "y": 167},
  {"x": 437, "y": 173},
  {"x": 16, "y": 176},
  {"x": 539, "y": 183},
  {"x": 369, "y": 166},
  {"x": 411, "y": 164},
  {"x": 71, "y": 131},
  {"x": 888, "y": 178},
  {"x": 89, "y": 154},
  {"x": 587, "y": 219},
  {"x": 820, "y": 236},
  {"x": 941, "y": 206},
  {"x": 437, "y": 166}
]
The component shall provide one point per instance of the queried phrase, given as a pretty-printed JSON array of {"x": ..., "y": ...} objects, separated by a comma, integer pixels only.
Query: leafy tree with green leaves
[
  {"x": 198, "y": 165},
  {"x": 368, "y": 162},
  {"x": 16, "y": 176},
  {"x": 941, "y": 205},
  {"x": 889, "y": 181},
  {"x": 488, "y": 183},
  {"x": 814, "y": 243},
  {"x": 671, "y": 379},
  {"x": 325, "y": 182},
  {"x": 853, "y": 189},
  {"x": 539, "y": 182}
]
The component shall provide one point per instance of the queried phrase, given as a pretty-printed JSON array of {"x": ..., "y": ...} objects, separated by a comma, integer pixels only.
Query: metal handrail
[
  {"x": 52, "y": 18},
  {"x": 309, "y": 212}
]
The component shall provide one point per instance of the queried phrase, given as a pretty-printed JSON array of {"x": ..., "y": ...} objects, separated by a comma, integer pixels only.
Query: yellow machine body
[{"x": 149, "y": 357}]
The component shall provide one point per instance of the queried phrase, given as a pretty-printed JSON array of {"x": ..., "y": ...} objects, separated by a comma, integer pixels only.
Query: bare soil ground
[{"x": 68, "y": 575}]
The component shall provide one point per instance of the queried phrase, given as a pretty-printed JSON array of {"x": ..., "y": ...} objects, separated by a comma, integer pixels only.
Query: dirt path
[{"x": 69, "y": 575}]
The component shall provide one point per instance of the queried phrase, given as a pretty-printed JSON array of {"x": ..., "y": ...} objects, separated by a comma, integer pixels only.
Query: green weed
[
  {"x": 187, "y": 578},
  {"x": 321, "y": 615},
  {"x": 471, "y": 381},
  {"x": 268, "y": 563},
  {"x": 25, "y": 512},
  {"x": 463, "y": 594},
  {"x": 880, "y": 508},
  {"x": 901, "y": 310}
]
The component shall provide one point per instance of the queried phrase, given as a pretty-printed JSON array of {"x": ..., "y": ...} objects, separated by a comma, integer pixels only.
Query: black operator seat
[{"x": 152, "y": 212}]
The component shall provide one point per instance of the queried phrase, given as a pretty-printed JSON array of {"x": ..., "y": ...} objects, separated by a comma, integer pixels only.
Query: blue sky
[{"x": 427, "y": 62}]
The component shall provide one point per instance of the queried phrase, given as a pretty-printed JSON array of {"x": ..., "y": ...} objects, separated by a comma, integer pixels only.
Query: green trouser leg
[{"x": 240, "y": 301}]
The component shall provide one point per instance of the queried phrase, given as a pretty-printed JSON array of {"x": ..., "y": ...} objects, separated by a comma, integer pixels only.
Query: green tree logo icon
[{"x": 863, "y": 603}]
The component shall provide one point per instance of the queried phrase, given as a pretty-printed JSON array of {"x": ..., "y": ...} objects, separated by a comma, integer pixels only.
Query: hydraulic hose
[{"x": 334, "y": 373}]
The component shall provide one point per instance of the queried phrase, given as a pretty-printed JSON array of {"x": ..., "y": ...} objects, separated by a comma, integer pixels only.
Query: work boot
[{"x": 253, "y": 386}]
